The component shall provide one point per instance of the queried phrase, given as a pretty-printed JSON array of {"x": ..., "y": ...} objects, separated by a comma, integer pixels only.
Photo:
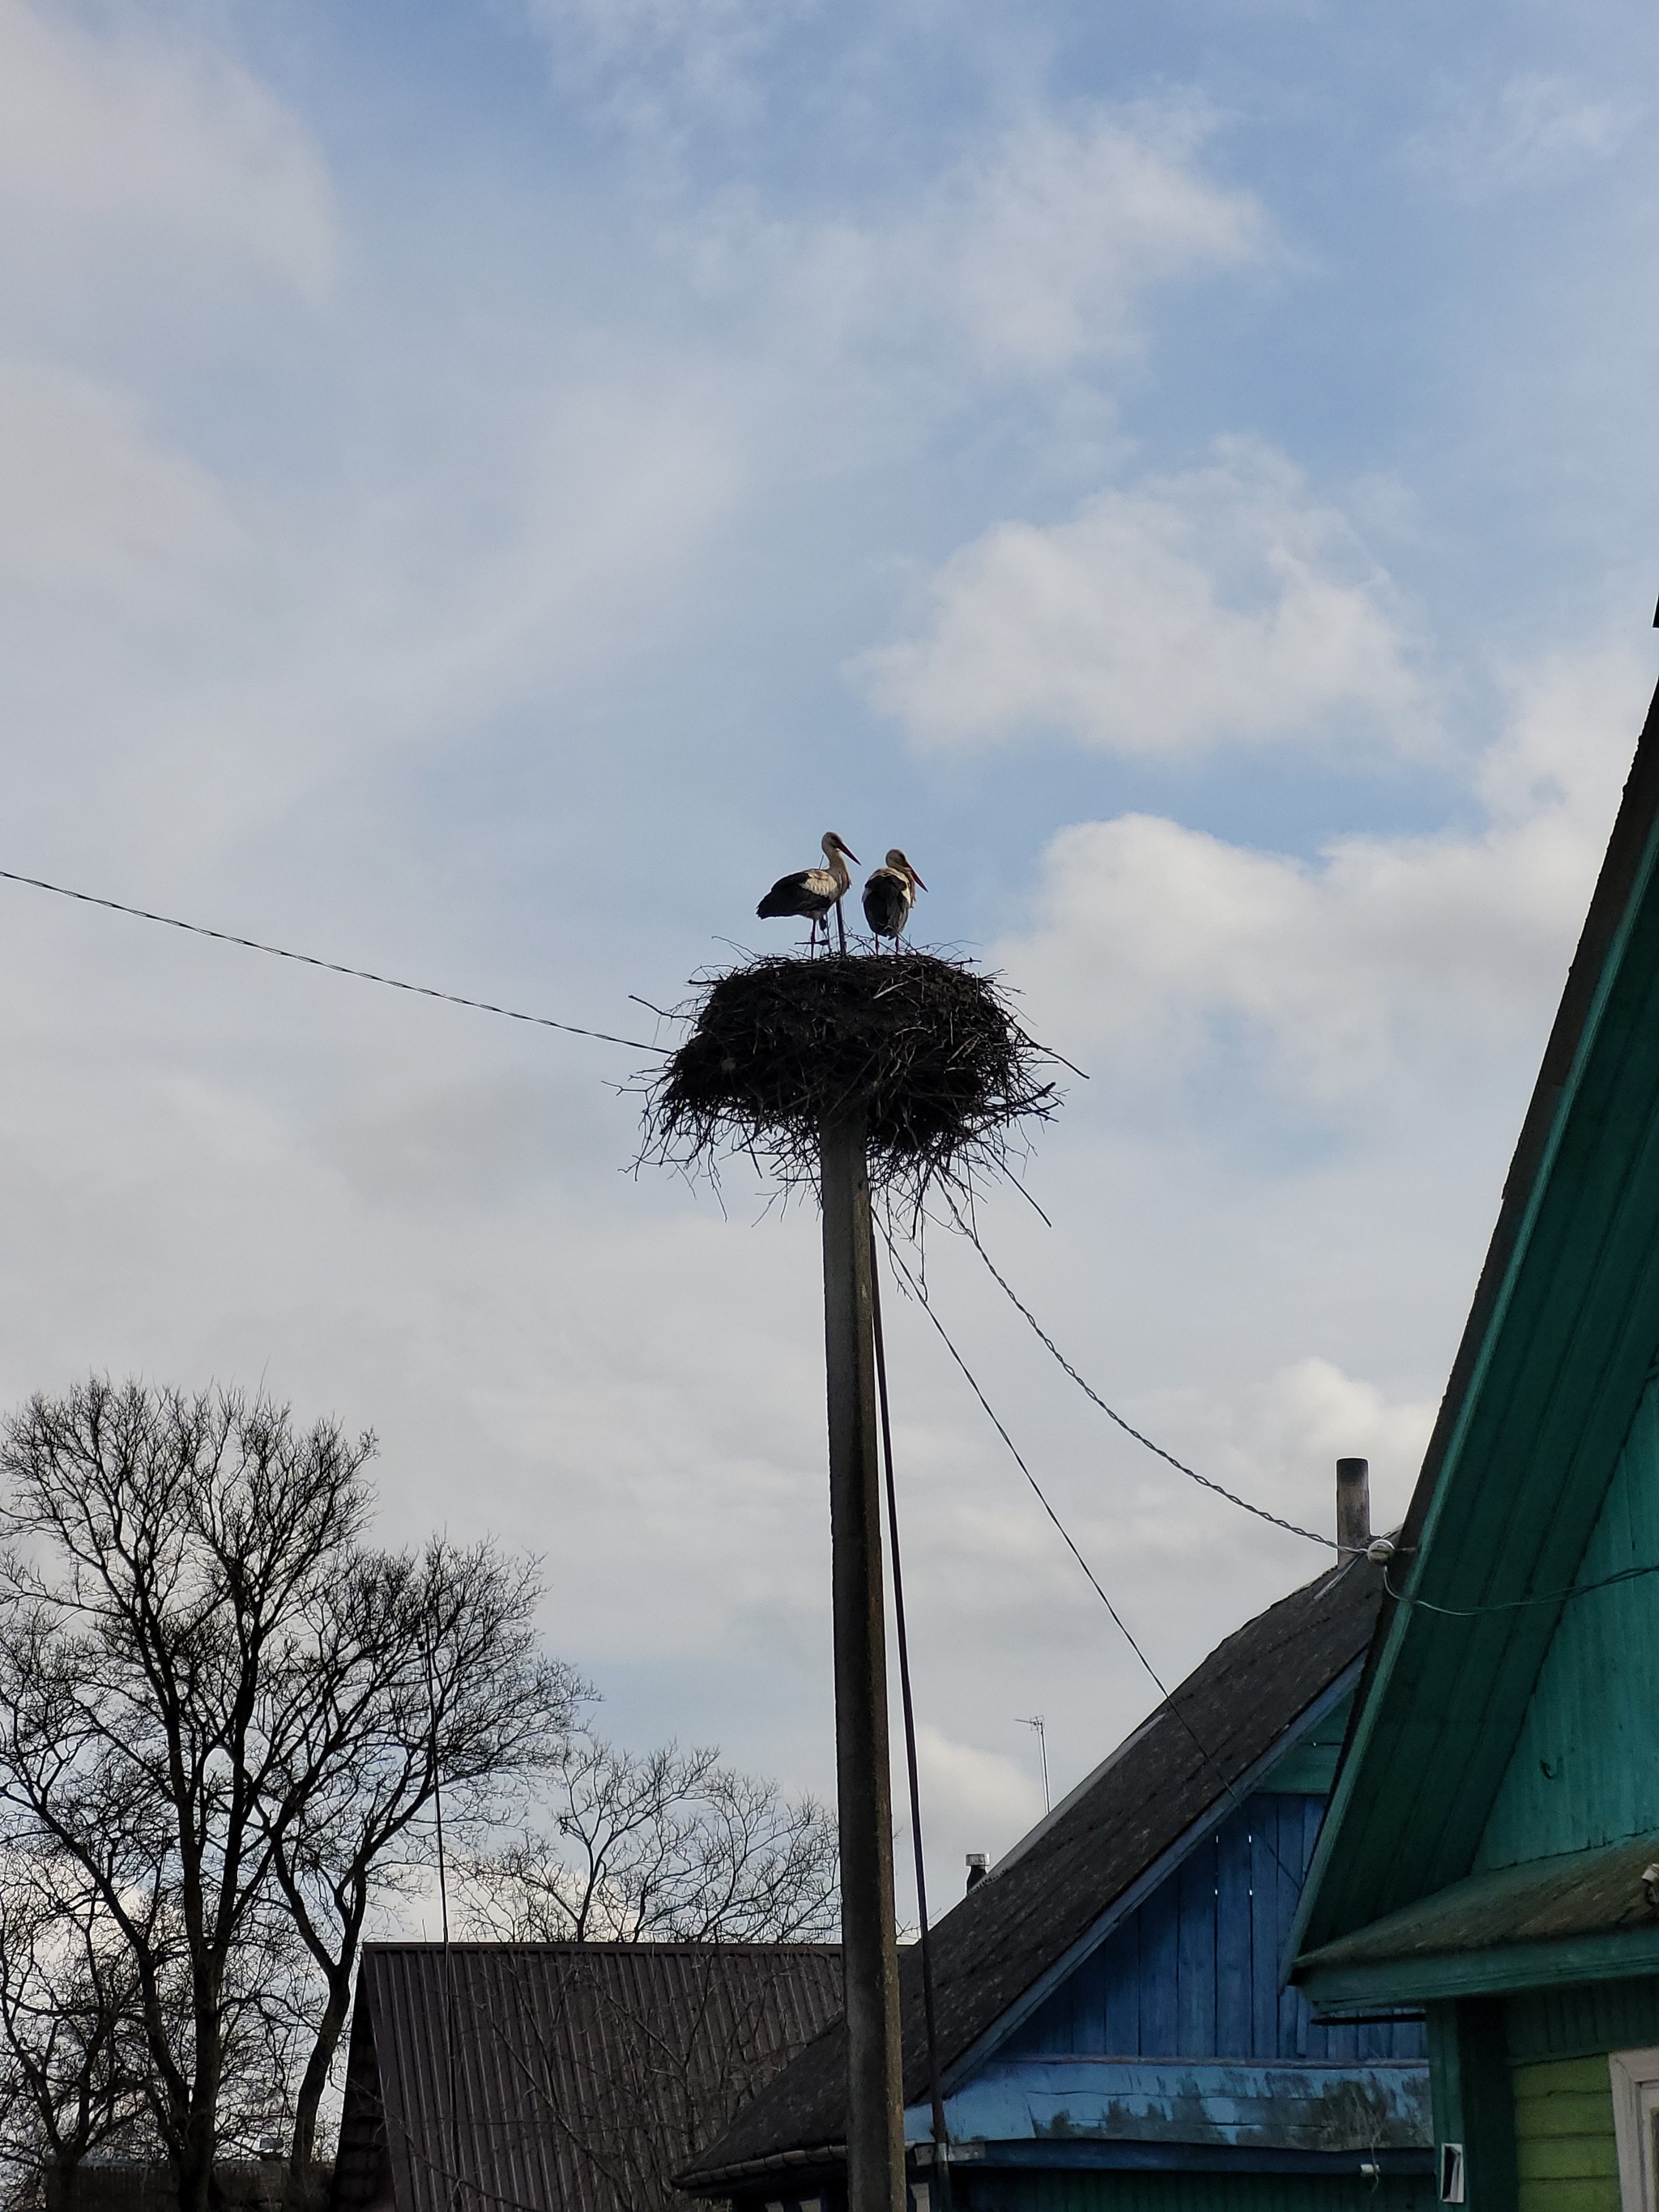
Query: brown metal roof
[
  {"x": 585, "y": 2073},
  {"x": 1046, "y": 1895}
]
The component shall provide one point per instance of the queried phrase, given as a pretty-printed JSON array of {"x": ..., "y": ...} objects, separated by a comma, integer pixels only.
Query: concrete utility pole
[{"x": 875, "y": 2097}]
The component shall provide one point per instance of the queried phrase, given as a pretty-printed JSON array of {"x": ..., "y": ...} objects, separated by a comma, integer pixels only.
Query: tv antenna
[{"x": 1035, "y": 1721}]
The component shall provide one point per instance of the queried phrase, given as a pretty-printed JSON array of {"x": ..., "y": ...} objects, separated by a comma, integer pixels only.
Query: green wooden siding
[
  {"x": 1309, "y": 1765},
  {"x": 1027, "y": 2191},
  {"x": 1622, "y": 2016},
  {"x": 1551, "y": 1375},
  {"x": 1565, "y": 2156},
  {"x": 1585, "y": 1769}
]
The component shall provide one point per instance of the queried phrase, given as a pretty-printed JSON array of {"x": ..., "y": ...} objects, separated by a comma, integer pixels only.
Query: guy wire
[
  {"x": 920, "y": 1294},
  {"x": 332, "y": 967},
  {"x": 1043, "y": 1338},
  {"x": 941, "y": 2132}
]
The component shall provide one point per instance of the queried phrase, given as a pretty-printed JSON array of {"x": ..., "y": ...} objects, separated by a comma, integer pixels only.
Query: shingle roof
[
  {"x": 586, "y": 2073},
  {"x": 1047, "y": 1893}
]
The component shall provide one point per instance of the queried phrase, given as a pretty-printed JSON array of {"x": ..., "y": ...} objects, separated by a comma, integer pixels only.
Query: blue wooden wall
[
  {"x": 1014, "y": 2190},
  {"x": 1194, "y": 1973}
]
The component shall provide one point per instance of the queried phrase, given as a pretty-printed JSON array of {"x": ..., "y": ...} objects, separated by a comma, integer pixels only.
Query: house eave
[
  {"x": 1335, "y": 1992},
  {"x": 720, "y": 2181},
  {"x": 1185, "y": 2158}
]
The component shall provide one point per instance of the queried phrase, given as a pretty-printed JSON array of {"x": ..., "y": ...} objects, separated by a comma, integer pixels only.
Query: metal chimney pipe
[{"x": 1353, "y": 1503}]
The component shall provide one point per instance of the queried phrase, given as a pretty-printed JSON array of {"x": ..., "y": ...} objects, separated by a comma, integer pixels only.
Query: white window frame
[{"x": 1635, "y": 2078}]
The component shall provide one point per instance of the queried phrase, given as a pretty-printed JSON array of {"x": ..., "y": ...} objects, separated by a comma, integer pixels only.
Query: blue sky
[{"x": 482, "y": 487}]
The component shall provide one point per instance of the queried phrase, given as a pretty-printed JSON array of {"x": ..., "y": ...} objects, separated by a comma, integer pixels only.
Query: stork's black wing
[
  {"x": 790, "y": 895},
  {"x": 885, "y": 905}
]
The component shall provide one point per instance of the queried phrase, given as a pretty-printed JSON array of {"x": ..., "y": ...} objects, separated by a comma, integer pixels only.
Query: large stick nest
[{"x": 929, "y": 1050}]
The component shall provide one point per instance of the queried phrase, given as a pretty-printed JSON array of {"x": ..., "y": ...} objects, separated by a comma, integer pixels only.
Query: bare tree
[
  {"x": 72, "y": 2073},
  {"x": 212, "y": 1694},
  {"x": 426, "y": 1677},
  {"x": 75, "y": 2072},
  {"x": 169, "y": 1556},
  {"x": 672, "y": 1845}
]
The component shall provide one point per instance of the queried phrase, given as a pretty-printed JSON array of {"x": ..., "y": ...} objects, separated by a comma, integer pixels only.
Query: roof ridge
[{"x": 699, "y": 1946}]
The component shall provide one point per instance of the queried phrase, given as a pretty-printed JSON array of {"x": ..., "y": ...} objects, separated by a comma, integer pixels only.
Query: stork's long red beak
[{"x": 917, "y": 881}]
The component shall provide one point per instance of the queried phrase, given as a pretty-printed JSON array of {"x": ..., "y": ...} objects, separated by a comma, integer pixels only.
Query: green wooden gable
[
  {"x": 1497, "y": 1724},
  {"x": 1584, "y": 1771}
]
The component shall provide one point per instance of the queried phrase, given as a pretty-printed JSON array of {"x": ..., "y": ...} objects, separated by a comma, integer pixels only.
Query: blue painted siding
[
  {"x": 1194, "y": 1973},
  {"x": 992, "y": 2192},
  {"x": 1151, "y": 2109},
  {"x": 1585, "y": 1768}
]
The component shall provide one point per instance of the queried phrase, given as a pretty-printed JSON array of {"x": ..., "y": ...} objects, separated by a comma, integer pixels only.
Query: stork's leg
[{"x": 841, "y": 924}]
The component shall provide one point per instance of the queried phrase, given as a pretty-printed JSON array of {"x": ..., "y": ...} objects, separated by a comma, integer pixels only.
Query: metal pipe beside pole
[{"x": 1353, "y": 1504}]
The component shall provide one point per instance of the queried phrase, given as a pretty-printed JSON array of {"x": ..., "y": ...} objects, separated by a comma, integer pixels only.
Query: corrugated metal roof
[
  {"x": 585, "y": 2073},
  {"x": 1047, "y": 1893}
]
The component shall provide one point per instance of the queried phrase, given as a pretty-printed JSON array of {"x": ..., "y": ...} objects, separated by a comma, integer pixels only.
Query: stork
[
  {"x": 889, "y": 896},
  {"x": 813, "y": 891}
]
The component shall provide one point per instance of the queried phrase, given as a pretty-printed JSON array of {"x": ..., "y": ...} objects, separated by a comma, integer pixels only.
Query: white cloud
[
  {"x": 707, "y": 36},
  {"x": 445, "y": 632},
  {"x": 1298, "y": 1422},
  {"x": 1221, "y": 605},
  {"x": 91, "y": 504},
  {"x": 1158, "y": 947},
  {"x": 127, "y": 140},
  {"x": 987, "y": 1799},
  {"x": 1036, "y": 258},
  {"x": 167, "y": 627},
  {"x": 667, "y": 70},
  {"x": 1045, "y": 248},
  {"x": 1535, "y": 130}
]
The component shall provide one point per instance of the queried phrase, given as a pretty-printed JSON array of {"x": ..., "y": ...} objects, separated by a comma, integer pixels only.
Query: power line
[
  {"x": 919, "y": 1293},
  {"x": 921, "y": 1298},
  {"x": 1204, "y": 1481},
  {"x": 1517, "y": 1604},
  {"x": 332, "y": 967}
]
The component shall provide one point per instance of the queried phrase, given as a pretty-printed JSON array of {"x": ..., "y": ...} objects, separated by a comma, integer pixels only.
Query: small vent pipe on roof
[
  {"x": 1353, "y": 1504},
  {"x": 976, "y": 1869}
]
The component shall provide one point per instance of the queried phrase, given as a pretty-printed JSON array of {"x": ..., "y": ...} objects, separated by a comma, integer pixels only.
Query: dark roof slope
[
  {"x": 586, "y": 2073},
  {"x": 1047, "y": 1894},
  {"x": 1558, "y": 1348}
]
